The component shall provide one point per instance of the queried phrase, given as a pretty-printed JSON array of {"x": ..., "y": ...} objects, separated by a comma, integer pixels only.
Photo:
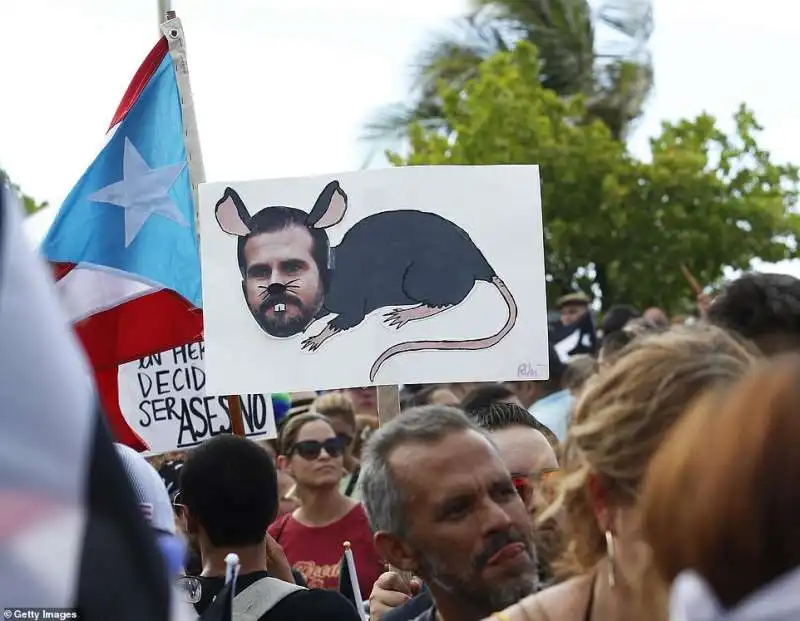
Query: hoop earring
[{"x": 611, "y": 552}]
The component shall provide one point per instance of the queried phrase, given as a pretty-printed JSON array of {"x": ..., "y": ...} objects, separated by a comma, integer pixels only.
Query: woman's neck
[
  {"x": 350, "y": 463},
  {"x": 321, "y": 507},
  {"x": 617, "y": 603}
]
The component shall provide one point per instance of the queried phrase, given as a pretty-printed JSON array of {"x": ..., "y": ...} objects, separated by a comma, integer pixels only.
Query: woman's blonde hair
[
  {"x": 336, "y": 404},
  {"x": 623, "y": 416}
]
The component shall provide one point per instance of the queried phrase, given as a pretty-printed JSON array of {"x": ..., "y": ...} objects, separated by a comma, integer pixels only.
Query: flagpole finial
[
  {"x": 346, "y": 545},
  {"x": 231, "y": 567},
  {"x": 232, "y": 559}
]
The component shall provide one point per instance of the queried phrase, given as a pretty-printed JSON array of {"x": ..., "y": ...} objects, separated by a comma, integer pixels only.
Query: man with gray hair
[{"x": 443, "y": 506}]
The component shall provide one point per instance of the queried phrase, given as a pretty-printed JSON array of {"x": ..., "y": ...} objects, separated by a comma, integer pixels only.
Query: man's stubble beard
[{"x": 462, "y": 586}]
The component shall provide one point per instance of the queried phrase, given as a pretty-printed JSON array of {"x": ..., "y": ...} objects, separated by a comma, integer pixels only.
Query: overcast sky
[{"x": 284, "y": 87}]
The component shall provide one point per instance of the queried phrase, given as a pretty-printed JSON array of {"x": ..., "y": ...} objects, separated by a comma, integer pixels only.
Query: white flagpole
[
  {"x": 351, "y": 567},
  {"x": 232, "y": 567},
  {"x": 173, "y": 31},
  {"x": 163, "y": 7}
]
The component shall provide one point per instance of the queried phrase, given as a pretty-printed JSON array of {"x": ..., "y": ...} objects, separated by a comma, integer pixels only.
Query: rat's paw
[
  {"x": 397, "y": 318},
  {"x": 313, "y": 343}
]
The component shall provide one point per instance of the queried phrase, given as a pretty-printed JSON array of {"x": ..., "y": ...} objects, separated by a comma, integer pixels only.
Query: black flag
[{"x": 577, "y": 338}]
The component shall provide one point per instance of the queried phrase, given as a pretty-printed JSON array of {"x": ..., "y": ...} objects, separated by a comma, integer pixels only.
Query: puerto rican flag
[{"x": 124, "y": 244}]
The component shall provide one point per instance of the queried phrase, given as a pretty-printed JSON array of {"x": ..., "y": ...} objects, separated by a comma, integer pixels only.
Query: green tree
[
  {"x": 28, "y": 203},
  {"x": 613, "y": 72},
  {"x": 615, "y": 225}
]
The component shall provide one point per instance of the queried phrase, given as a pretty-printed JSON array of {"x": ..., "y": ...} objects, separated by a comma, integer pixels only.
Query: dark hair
[
  {"x": 424, "y": 396},
  {"x": 500, "y": 415},
  {"x": 230, "y": 485},
  {"x": 617, "y": 316},
  {"x": 761, "y": 307},
  {"x": 274, "y": 219},
  {"x": 615, "y": 342},
  {"x": 482, "y": 397}
]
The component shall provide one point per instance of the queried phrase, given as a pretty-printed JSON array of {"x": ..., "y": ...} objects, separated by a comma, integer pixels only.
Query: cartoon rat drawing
[{"x": 417, "y": 262}]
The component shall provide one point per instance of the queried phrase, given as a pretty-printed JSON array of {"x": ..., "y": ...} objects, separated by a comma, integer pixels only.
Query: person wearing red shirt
[{"x": 313, "y": 535}]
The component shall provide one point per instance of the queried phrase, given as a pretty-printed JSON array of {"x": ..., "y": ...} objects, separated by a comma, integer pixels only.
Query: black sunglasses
[{"x": 311, "y": 449}]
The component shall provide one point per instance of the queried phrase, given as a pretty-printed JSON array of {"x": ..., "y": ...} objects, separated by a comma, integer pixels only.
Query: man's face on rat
[{"x": 282, "y": 283}]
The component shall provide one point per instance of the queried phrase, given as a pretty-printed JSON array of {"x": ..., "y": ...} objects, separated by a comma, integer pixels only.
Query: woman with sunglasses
[
  {"x": 338, "y": 408},
  {"x": 313, "y": 535}
]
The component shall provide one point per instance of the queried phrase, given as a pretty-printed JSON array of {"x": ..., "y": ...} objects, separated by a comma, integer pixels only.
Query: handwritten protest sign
[
  {"x": 163, "y": 398},
  {"x": 422, "y": 274}
]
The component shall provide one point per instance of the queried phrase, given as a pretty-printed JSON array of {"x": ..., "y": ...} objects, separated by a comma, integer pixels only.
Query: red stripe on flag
[
  {"x": 108, "y": 388},
  {"x": 61, "y": 269},
  {"x": 141, "y": 327},
  {"x": 22, "y": 510},
  {"x": 140, "y": 80}
]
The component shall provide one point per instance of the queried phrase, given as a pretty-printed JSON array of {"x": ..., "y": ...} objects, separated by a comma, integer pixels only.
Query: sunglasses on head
[{"x": 311, "y": 449}]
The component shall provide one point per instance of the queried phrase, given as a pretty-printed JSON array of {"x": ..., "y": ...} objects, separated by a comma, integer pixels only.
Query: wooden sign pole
[
  {"x": 388, "y": 403},
  {"x": 235, "y": 413}
]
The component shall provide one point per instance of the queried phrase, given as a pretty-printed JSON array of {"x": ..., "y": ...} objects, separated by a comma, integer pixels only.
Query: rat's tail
[{"x": 473, "y": 344}]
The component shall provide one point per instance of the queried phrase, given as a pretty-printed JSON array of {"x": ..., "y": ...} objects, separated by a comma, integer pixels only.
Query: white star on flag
[{"x": 143, "y": 192}]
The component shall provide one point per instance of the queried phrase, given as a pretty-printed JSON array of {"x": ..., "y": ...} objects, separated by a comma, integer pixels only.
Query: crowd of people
[{"x": 651, "y": 479}]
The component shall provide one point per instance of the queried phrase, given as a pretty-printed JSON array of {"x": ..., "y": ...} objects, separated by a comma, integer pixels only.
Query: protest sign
[
  {"x": 163, "y": 398},
  {"x": 404, "y": 275}
]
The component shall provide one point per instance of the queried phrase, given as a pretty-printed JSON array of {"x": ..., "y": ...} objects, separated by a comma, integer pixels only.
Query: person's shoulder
[
  {"x": 313, "y": 605},
  {"x": 275, "y": 528},
  {"x": 358, "y": 512},
  {"x": 566, "y": 600}
]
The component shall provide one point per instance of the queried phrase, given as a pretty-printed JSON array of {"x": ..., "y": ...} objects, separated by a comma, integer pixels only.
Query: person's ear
[
  {"x": 601, "y": 503},
  {"x": 190, "y": 523},
  {"x": 395, "y": 551},
  {"x": 285, "y": 465}
]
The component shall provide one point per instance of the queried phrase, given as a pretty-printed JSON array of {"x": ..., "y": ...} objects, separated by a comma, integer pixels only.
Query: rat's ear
[
  {"x": 330, "y": 207},
  {"x": 232, "y": 215}
]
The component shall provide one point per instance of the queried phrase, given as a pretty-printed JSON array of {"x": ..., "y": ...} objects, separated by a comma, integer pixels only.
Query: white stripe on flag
[{"x": 87, "y": 290}]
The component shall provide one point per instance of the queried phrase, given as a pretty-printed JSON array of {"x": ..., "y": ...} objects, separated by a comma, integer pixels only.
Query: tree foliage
[
  {"x": 614, "y": 225},
  {"x": 613, "y": 72},
  {"x": 29, "y": 204}
]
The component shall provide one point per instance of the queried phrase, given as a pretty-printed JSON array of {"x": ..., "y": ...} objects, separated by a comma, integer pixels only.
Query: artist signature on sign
[{"x": 530, "y": 371}]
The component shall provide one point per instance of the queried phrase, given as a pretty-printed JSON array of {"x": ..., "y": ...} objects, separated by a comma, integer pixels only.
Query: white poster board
[
  {"x": 163, "y": 398},
  {"x": 402, "y": 275}
]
